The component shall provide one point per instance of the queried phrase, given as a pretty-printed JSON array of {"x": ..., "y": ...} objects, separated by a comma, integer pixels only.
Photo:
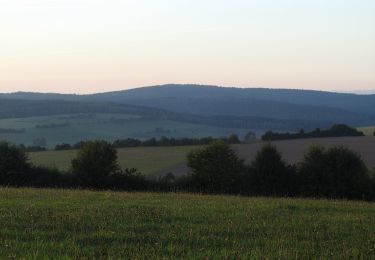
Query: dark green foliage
[
  {"x": 63, "y": 146},
  {"x": 216, "y": 168},
  {"x": 233, "y": 139},
  {"x": 32, "y": 148},
  {"x": 129, "y": 142},
  {"x": 337, "y": 130},
  {"x": 153, "y": 142},
  {"x": 39, "y": 176},
  {"x": 250, "y": 137},
  {"x": 268, "y": 174},
  {"x": 331, "y": 173},
  {"x": 35, "y": 149},
  {"x": 336, "y": 172},
  {"x": 95, "y": 162},
  {"x": 13, "y": 164}
]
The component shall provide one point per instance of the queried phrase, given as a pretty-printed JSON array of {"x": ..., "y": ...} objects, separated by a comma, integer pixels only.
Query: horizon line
[{"x": 354, "y": 92}]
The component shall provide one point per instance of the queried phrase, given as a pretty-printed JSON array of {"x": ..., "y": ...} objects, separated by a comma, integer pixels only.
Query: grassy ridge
[
  {"x": 74, "y": 224},
  {"x": 148, "y": 160}
]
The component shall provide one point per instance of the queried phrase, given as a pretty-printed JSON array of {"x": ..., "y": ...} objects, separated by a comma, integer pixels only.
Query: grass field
[
  {"x": 148, "y": 160},
  {"x": 368, "y": 130},
  {"x": 40, "y": 224},
  {"x": 73, "y": 128},
  {"x": 158, "y": 160}
]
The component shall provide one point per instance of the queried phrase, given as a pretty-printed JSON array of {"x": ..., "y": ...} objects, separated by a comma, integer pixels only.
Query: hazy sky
[{"x": 84, "y": 46}]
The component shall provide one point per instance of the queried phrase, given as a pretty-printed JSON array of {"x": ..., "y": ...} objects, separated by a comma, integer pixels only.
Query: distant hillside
[
  {"x": 18, "y": 108},
  {"x": 364, "y": 104},
  {"x": 316, "y": 107},
  {"x": 15, "y": 108}
]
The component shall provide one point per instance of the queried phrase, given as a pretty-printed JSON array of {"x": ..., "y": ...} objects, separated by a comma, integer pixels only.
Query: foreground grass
[{"x": 82, "y": 224}]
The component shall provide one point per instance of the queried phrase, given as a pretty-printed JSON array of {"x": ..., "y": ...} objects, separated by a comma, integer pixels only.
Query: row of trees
[
  {"x": 337, "y": 130},
  {"x": 331, "y": 173},
  {"x": 163, "y": 141},
  {"x": 337, "y": 172},
  {"x": 94, "y": 167}
]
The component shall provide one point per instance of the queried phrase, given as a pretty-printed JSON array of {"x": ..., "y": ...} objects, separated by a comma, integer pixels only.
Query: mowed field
[
  {"x": 148, "y": 160},
  {"x": 152, "y": 161},
  {"x": 368, "y": 130},
  {"x": 41, "y": 224}
]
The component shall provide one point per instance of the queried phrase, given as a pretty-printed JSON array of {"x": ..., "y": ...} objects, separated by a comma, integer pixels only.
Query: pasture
[
  {"x": 153, "y": 161},
  {"x": 74, "y": 128},
  {"x": 368, "y": 130},
  {"x": 148, "y": 160},
  {"x": 41, "y": 224}
]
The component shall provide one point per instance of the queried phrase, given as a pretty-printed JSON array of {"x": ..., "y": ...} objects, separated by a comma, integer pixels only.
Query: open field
[
  {"x": 368, "y": 130},
  {"x": 41, "y": 224},
  {"x": 148, "y": 160},
  {"x": 73, "y": 128},
  {"x": 159, "y": 160}
]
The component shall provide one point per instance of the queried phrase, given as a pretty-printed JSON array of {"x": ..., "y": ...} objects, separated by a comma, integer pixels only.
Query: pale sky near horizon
[{"x": 85, "y": 46}]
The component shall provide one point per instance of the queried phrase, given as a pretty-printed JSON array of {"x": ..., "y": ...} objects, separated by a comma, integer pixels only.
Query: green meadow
[{"x": 64, "y": 224}]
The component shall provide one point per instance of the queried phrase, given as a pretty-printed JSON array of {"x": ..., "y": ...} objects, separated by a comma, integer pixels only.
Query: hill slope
[{"x": 254, "y": 102}]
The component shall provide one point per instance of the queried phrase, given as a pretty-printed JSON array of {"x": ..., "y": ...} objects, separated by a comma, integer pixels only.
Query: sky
[{"x": 87, "y": 46}]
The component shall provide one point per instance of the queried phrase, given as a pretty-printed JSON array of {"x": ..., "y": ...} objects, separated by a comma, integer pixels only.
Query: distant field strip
[
  {"x": 161, "y": 160},
  {"x": 56, "y": 224},
  {"x": 368, "y": 130},
  {"x": 74, "y": 128},
  {"x": 148, "y": 160}
]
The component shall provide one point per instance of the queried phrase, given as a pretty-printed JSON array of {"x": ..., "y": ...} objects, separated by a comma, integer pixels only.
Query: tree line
[
  {"x": 336, "y": 172},
  {"x": 337, "y": 130},
  {"x": 162, "y": 141}
]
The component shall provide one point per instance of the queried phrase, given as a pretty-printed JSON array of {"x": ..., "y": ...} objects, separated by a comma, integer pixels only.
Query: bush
[
  {"x": 215, "y": 168},
  {"x": 337, "y": 172},
  {"x": 40, "y": 176},
  {"x": 268, "y": 174},
  {"x": 13, "y": 165},
  {"x": 95, "y": 161}
]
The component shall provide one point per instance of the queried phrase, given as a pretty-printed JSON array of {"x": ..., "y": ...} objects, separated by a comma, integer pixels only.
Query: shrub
[
  {"x": 215, "y": 168},
  {"x": 13, "y": 165},
  {"x": 95, "y": 161},
  {"x": 268, "y": 173},
  {"x": 233, "y": 139},
  {"x": 40, "y": 176},
  {"x": 336, "y": 172}
]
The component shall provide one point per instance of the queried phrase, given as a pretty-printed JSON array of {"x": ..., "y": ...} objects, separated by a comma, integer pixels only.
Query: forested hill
[
  {"x": 279, "y": 104},
  {"x": 363, "y": 104}
]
